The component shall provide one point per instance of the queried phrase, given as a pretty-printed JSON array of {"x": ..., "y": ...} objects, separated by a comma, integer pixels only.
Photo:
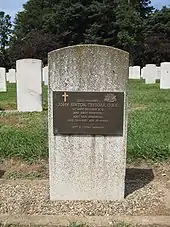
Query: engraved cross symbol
[{"x": 65, "y": 96}]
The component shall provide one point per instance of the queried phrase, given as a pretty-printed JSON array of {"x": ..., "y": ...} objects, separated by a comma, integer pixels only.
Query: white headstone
[
  {"x": 12, "y": 76},
  {"x": 29, "y": 85},
  {"x": 134, "y": 72},
  {"x": 3, "y": 80},
  {"x": 45, "y": 75},
  {"x": 143, "y": 72},
  {"x": 150, "y": 73},
  {"x": 87, "y": 167},
  {"x": 7, "y": 76},
  {"x": 165, "y": 75},
  {"x": 158, "y": 75}
]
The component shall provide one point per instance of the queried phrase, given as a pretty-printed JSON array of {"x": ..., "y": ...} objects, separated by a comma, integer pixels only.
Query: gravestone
[
  {"x": 29, "y": 85},
  {"x": 45, "y": 75},
  {"x": 143, "y": 72},
  {"x": 158, "y": 75},
  {"x": 7, "y": 76},
  {"x": 87, "y": 122},
  {"x": 134, "y": 72},
  {"x": 130, "y": 72},
  {"x": 165, "y": 75},
  {"x": 12, "y": 76},
  {"x": 3, "y": 80},
  {"x": 149, "y": 74}
]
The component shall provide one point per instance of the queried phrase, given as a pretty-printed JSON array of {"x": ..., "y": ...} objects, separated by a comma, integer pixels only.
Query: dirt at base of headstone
[{"x": 147, "y": 193}]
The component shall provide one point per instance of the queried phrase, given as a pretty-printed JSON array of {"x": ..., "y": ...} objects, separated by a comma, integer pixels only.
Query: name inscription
[{"x": 90, "y": 113}]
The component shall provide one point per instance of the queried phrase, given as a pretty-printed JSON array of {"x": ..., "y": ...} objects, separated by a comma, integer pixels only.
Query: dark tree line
[{"x": 45, "y": 25}]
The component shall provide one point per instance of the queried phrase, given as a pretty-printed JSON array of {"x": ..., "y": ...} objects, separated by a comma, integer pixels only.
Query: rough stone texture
[
  {"x": 12, "y": 76},
  {"x": 29, "y": 85},
  {"x": 3, "y": 80},
  {"x": 45, "y": 75},
  {"x": 87, "y": 167},
  {"x": 149, "y": 74},
  {"x": 165, "y": 75}
]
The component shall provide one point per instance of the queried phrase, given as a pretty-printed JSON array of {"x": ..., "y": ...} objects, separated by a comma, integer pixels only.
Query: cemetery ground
[{"x": 24, "y": 188}]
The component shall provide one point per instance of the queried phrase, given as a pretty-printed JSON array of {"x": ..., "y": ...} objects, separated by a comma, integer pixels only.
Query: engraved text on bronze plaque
[{"x": 90, "y": 113}]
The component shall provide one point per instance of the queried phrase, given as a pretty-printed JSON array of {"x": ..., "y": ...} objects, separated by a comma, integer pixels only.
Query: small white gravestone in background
[
  {"x": 150, "y": 73},
  {"x": 130, "y": 72},
  {"x": 134, "y": 72},
  {"x": 158, "y": 75},
  {"x": 12, "y": 76},
  {"x": 143, "y": 72},
  {"x": 29, "y": 85},
  {"x": 7, "y": 76},
  {"x": 91, "y": 166},
  {"x": 45, "y": 75},
  {"x": 3, "y": 80},
  {"x": 165, "y": 75}
]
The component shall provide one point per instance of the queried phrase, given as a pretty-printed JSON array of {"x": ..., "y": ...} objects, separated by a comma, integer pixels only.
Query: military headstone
[
  {"x": 45, "y": 75},
  {"x": 12, "y": 76},
  {"x": 150, "y": 73},
  {"x": 3, "y": 87},
  {"x": 165, "y": 75},
  {"x": 87, "y": 122},
  {"x": 29, "y": 85}
]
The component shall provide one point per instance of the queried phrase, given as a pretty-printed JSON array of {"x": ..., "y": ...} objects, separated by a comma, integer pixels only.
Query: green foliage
[
  {"x": 5, "y": 33},
  {"x": 69, "y": 22},
  {"x": 158, "y": 37},
  {"x": 148, "y": 132}
]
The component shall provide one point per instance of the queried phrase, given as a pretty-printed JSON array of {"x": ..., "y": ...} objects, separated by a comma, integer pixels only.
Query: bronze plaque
[{"x": 88, "y": 113}]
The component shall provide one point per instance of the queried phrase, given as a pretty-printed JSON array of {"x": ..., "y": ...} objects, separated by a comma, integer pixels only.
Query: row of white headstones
[
  {"x": 30, "y": 74},
  {"x": 150, "y": 73}
]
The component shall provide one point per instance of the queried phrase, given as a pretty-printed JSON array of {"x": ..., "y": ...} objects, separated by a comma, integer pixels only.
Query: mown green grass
[
  {"x": 149, "y": 122},
  {"x": 8, "y": 99},
  {"x": 24, "y": 135}
]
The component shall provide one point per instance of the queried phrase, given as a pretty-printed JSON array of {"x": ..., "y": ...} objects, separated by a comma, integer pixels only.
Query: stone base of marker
[{"x": 86, "y": 166}]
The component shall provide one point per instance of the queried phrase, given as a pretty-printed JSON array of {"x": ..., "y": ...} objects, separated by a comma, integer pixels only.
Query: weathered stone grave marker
[
  {"x": 29, "y": 85},
  {"x": 3, "y": 80},
  {"x": 87, "y": 122}
]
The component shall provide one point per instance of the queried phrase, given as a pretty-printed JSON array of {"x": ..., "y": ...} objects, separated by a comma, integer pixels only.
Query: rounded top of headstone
[
  {"x": 91, "y": 46},
  {"x": 165, "y": 63},
  {"x": 29, "y": 60}
]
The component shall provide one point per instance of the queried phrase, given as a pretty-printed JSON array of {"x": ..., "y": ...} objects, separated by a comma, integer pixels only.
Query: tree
[
  {"x": 5, "y": 33},
  {"x": 33, "y": 45},
  {"x": 132, "y": 19},
  {"x": 157, "y": 41}
]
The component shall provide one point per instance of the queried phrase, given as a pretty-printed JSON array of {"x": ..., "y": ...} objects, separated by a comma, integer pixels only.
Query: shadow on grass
[{"x": 137, "y": 178}]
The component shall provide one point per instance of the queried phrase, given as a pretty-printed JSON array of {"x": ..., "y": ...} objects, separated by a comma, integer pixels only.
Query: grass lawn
[{"x": 24, "y": 135}]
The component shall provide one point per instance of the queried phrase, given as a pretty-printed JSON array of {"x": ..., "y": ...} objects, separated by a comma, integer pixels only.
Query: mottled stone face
[{"x": 86, "y": 167}]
